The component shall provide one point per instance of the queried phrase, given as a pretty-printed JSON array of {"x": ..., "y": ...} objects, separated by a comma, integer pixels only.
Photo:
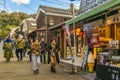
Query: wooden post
[{"x": 115, "y": 32}]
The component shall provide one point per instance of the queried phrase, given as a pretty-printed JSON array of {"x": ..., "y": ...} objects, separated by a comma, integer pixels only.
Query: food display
[
  {"x": 104, "y": 41},
  {"x": 110, "y": 58}
]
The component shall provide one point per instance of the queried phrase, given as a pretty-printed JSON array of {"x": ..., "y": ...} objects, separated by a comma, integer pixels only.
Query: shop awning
[
  {"x": 94, "y": 11},
  {"x": 57, "y": 26}
]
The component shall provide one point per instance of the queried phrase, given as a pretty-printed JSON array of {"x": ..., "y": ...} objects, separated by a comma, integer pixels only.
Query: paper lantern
[
  {"x": 81, "y": 34},
  {"x": 77, "y": 31}
]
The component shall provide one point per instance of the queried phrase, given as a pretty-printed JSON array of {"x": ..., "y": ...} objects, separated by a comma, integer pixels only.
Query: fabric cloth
[
  {"x": 35, "y": 62},
  {"x": 8, "y": 40},
  {"x": 20, "y": 43},
  {"x": 36, "y": 48},
  {"x": 8, "y": 47},
  {"x": 53, "y": 61},
  {"x": 53, "y": 49}
]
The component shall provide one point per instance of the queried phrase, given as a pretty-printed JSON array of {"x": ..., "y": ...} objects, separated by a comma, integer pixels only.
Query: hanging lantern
[
  {"x": 77, "y": 31},
  {"x": 81, "y": 33}
]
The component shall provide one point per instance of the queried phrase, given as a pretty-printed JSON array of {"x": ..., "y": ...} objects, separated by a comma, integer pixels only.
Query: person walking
[
  {"x": 25, "y": 47},
  {"x": 20, "y": 44},
  {"x": 8, "y": 47},
  {"x": 36, "y": 48},
  {"x": 29, "y": 51},
  {"x": 53, "y": 49},
  {"x": 43, "y": 50}
]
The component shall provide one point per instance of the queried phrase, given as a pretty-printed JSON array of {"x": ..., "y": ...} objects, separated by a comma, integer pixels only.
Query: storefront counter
[{"x": 106, "y": 72}]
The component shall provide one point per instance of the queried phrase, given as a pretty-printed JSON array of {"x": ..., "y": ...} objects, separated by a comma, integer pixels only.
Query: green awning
[{"x": 95, "y": 11}]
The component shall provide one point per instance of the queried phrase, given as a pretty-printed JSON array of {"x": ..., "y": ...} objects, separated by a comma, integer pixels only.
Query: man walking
[
  {"x": 20, "y": 44},
  {"x": 43, "y": 50}
]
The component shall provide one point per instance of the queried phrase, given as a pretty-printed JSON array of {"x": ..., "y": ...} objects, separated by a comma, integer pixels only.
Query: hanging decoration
[{"x": 67, "y": 33}]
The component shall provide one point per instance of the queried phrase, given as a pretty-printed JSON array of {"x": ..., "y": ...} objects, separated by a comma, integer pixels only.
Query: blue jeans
[
  {"x": 43, "y": 55},
  {"x": 19, "y": 53}
]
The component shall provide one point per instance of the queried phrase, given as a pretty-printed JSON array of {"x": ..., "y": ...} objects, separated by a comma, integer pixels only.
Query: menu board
[{"x": 114, "y": 44}]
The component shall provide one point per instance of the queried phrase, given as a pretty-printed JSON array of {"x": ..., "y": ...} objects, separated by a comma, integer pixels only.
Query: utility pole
[{"x": 74, "y": 53}]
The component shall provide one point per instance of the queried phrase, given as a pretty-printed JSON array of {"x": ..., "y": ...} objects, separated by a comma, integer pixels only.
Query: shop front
[
  {"x": 78, "y": 40},
  {"x": 109, "y": 58},
  {"x": 102, "y": 40}
]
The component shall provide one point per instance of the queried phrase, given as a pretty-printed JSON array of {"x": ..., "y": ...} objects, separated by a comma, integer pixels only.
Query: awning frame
[{"x": 94, "y": 11}]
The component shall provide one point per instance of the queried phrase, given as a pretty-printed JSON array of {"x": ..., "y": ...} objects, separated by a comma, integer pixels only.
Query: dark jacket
[
  {"x": 43, "y": 46},
  {"x": 56, "y": 50}
]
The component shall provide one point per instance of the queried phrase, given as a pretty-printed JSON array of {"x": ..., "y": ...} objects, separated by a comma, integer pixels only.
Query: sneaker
[
  {"x": 54, "y": 71},
  {"x": 37, "y": 71}
]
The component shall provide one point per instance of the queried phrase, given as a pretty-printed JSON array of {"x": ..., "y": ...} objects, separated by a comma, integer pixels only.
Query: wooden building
[{"x": 48, "y": 17}]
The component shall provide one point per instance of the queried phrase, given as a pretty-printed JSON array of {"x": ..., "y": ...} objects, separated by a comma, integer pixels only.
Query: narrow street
[{"x": 23, "y": 71}]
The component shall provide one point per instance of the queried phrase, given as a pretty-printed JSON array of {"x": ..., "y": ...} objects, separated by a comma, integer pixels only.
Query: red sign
[{"x": 93, "y": 40}]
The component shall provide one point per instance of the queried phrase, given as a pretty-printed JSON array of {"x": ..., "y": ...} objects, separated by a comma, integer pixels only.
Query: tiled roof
[{"x": 55, "y": 10}]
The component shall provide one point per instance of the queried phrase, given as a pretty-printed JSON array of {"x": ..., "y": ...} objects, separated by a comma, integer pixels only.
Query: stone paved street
[{"x": 23, "y": 71}]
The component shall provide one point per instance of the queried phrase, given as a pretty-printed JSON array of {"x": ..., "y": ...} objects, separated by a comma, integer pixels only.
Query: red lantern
[
  {"x": 81, "y": 34},
  {"x": 77, "y": 31}
]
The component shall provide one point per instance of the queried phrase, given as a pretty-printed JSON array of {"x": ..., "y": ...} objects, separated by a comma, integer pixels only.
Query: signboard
[
  {"x": 114, "y": 44},
  {"x": 104, "y": 72},
  {"x": 93, "y": 25},
  {"x": 85, "y": 57},
  {"x": 67, "y": 33},
  {"x": 93, "y": 40},
  {"x": 112, "y": 19}
]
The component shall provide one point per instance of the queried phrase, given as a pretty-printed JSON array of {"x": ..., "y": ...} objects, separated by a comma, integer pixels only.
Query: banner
[
  {"x": 67, "y": 33},
  {"x": 93, "y": 40}
]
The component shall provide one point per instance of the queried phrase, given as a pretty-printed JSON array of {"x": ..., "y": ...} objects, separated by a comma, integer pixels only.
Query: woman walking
[
  {"x": 36, "y": 56},
  {"x": 8, "y": 47},
  {"x": 54, "y": 58}
]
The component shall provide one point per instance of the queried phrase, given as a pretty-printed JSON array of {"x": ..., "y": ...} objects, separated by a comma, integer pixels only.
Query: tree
[{"x": 11, "y": 19}]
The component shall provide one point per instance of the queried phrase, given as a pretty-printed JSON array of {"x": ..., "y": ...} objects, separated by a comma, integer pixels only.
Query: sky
[{"x": 31, "y": 6}]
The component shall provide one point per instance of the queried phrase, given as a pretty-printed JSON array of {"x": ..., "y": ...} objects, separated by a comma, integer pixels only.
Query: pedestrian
[
  {"x": 43, "y": 50},
  {"x": 25, "y": 47},
  {"x": 36, "y": 48},
  {"x": 20, "y": 44},
  {"x": 54, "y": 58},
  {"x": 29, "y": 51},
  {"x": 8, "y": 47}
]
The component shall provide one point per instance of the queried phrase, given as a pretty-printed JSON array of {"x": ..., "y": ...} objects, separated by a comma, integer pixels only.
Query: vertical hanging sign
[
  {"x": 93, "y": 39},
  {"x": 67, "y": 33}
]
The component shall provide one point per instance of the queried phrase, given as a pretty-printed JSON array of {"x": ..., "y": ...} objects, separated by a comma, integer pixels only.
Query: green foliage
[{"x": 11, "y": 20}]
